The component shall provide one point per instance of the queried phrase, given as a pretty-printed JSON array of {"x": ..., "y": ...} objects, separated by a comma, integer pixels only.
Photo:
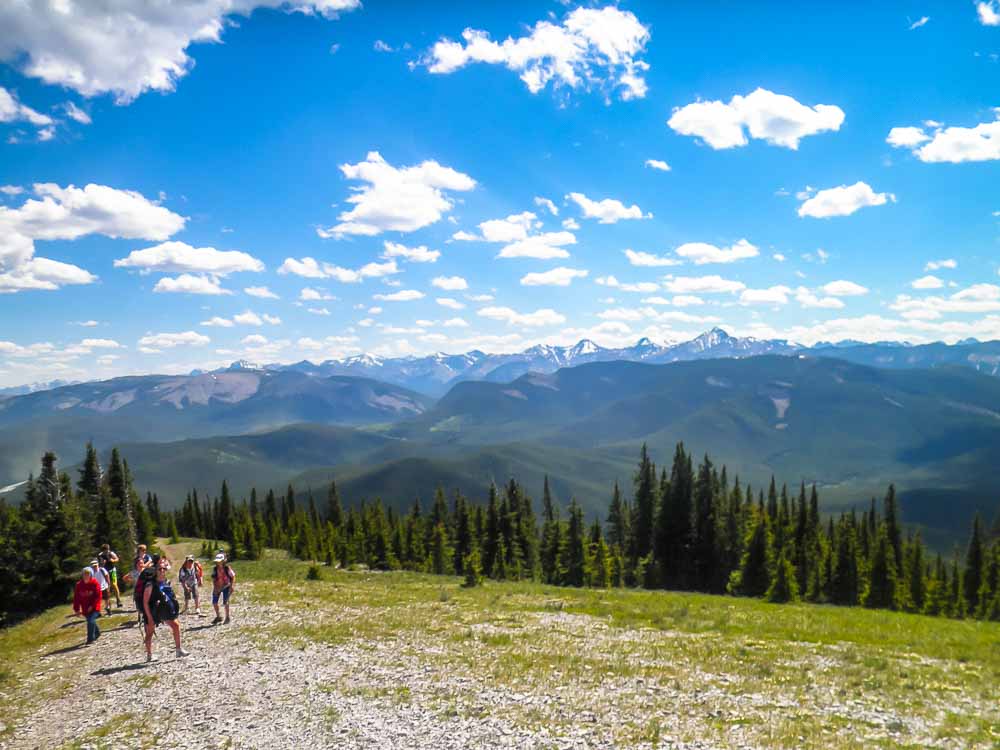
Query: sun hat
[
  {"x": 93, "y": 563},
  {"x": 221, "y": 557},
  {"x": 189, "y": 557},
  {"x": 88, "y": 571}
]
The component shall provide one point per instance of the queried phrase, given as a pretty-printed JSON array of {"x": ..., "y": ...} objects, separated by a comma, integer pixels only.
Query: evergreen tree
[
  {"x": 492, "y": 539},
  {"x": 972, "y": 577},
  {"x": 574, "y": 557},
  {"x": 618, "y": 519},
  {"x": 644, "y": 504},
  {"x": 754, "y": 576},
  {"x": 844, "y": 581},
  {"x": 707, "y": 571},
  {"x": 916, "y": 575},
  {"x": 673, "y": 527},
  {"x": 784, "y": 587},
  {"x": 441, "y": 552},
  {"x": 882, "y": 591},
  {"x": 892, "y": 526},
  {"x": 334, "y": 509}
]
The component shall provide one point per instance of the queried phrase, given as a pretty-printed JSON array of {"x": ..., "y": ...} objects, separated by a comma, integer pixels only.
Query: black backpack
[{"x": 163, "y": 602}]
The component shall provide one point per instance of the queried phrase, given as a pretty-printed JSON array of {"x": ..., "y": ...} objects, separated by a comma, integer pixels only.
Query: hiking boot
[
  {"x": 150, "y": 657},
  {"x": 182, "y": 653},
  {"x": 226, "y": 621},
  {"x": 217, "y": 620}
]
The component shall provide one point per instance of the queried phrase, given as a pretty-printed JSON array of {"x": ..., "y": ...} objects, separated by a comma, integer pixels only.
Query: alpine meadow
[{"x": 612, "y": 374}]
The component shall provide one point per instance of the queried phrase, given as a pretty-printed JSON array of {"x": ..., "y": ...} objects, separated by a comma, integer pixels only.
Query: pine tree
[
  {"x": 882, "y": 591},
  {"x": 492, "y": 540},
  {"x": 574, "y": 557},
  {"x": 334, "y": 509},
  {"x": 673, "y": 527},
  {"x": 704, "y": 544},
  {"x": 916, "y": 575},
  {"x": 473, "y": 568},
  {"x": 844, "y": 581},
  {"x": 440, "y": 550},
  {"x": 892, "y": 526},
  {"x": 618, "y": 519},
  {"x": 972, "y": 577},
  {"x": 784, "y": 587},
  {"x": 754, "y": 575},
  {"x": 644, "y": 504}
]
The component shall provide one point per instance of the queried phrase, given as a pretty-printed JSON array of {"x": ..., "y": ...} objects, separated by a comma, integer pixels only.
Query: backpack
[
  {"x": 163, "y": 603},
  {"x": 146, "y": 578}
]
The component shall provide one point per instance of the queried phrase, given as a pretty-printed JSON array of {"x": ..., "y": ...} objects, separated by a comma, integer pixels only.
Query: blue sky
[{"x": 218, "y": 150}]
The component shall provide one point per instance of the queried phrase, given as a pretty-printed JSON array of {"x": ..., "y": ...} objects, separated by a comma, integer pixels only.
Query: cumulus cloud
[
  {"x": 310, "y": 268},
  {"x": 648, "y": 260},
  {"x": 404, "y": 295},
  {"x": 396, "y": 199},
  {"x": 702, "y": 252},
  {"x": 188, "y": 283},
  {"x": 561, "y": 276},
  {"x": 412, "y": 254},
  {"x": 842, "y": 288},
  {"x": 217, "y": 322},
  {"x": 544, "y": 246},
  {"x": 774, "y": 295},
  {"x": 843, "y": 201},
  {"x": 76, "y": 114},
  {"x": 591, "y": 48},
  {"x": 702, "y": 285},
  {"x": 250, "y": 318},
  {"x": 936, "y": 265},
  {"x": 126, "y": 47},
  {"x": 450, "y": 283},
  {"x": 641, "y": 287},
  {"x": 658, "y": 164},
  {"x": 308, "y": 294},
  {"x": 180, "y": 257},
  {"x": 988, "y": 12},
  {"x": 547, "y": 204},
  {"x": 12, "y": 110},
  {"x": 809, "y": 299},
  {"x": 452, "y": 304},
  {"x": 455, "y": 323},
  {"x": 978, "y": 298},
  {"x": 951, "y": 144},
  {"x": 154, "y": 342},
  {"x": 68, "y": 213},
  {"x": 536, "y": 319},
  {"x": 261, "y": 292},
  {"x": 927, "y": 282},
  {"x": 607, "y": 210},
  {"x": 777, "y": 119}
]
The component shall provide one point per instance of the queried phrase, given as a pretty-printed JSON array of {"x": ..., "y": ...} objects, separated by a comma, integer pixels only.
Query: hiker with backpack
[
  {"x": 223, "y": 582},
  {"x": 159, "y": 604},
  {"x": 109, "y": 561},
  {"x": 102, "y": 577},
  {"x": 87, "y": 602},
  {"x": 191, "y": 577}
]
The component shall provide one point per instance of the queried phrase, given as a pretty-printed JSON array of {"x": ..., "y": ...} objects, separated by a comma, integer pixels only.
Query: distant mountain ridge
[{"x": 435, "y": 374}]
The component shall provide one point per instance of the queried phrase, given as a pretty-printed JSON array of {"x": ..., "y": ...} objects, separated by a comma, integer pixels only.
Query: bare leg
[
  {"x": 150, "y": 629},
  {"x": 177, "y": 632}
]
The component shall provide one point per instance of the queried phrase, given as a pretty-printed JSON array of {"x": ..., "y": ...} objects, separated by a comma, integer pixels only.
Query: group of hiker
[{"x": 153, "y": 596}]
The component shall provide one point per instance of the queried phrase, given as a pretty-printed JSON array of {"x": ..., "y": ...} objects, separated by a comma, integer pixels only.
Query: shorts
[
  {"x": 113, "y": 573},
  {"x": 106, "y": 594},
  {"x": 224, "y": 593},
  {"x": 190, "y": 593}
]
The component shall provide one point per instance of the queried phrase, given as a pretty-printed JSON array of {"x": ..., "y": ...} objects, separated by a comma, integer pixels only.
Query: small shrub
[
  {"x": 473, "y": 569},
  {"x": 314, "y": 573}
]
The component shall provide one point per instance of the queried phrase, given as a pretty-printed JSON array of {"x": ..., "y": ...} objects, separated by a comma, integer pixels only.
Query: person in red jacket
[{"x": 87, "y": 602}]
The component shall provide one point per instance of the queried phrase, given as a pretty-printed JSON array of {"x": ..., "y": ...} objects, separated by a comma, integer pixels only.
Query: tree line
[{"x": 687, "y": 529}]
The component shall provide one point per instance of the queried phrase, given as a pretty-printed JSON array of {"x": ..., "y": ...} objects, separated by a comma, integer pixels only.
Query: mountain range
[{"x": 434, "y": 374}]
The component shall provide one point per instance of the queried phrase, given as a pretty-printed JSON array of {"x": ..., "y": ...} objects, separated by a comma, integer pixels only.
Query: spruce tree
[
  {"x": 784, "y": 587},
  {"x": 882, "y": 591},
  {"x": 441, "y": 560},
  {"x": 972, "y": 576},
  {"x": 754, "y": 575},
  {"x": 644, "y": 504},
  {"x": 704, "y": 543},
  {"x": 673, "y": 527}
]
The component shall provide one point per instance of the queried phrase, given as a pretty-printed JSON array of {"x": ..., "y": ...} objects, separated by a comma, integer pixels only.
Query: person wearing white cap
[
  {"x": 102, "y": 577},
  {"x": 223, "y": 582},
  {"x": 191, "y": 578}
]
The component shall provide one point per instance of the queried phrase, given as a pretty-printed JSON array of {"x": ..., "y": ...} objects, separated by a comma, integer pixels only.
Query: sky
[{"x": 187, "y": 184}]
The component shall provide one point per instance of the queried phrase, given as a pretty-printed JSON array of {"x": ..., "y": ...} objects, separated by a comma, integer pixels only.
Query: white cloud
[
  {"x": 927, "y": 282},
  {"x": 561, "y": 276},
  {"x": 608, "y": 210},
  {"x": 953, "y": 144},
  {"x": 398, "y": 200},
  {"x": 42, "y": 274},
  {"x": 687, "y": 300},
  {"x": 318, "y": 311},
  {"x": 250, "y": 318},
  {"x": 978, "y": 298},
  {"x": 842, "y": 288},
  {"x": 571, "y": 224},
  {"x": 381, "y": 46},
  {"x": 775, "y": 295},
  {"x": 188, "y": 283},
  {"x": 648, "y": 260},
  {"x": 11, "y": 190},
  {"x": 254, "y": 339},
  {"x": 404, "y": 295},
  {"x": 413, "y": 254},
  {"x": 479, "y": 297},
  {"x": 308, "y": 294},
  {"x": 775, "y": 118},
  {"x": 450, "y": 283},
  {"x": 261, "y": 292},
  {"x": 641, "y": 287},
  {"x": 544, "y": 246},
  {"x": 180, "y": 257},
  {"x": 126, "y": 47},
  {"x": 702, "y": 252},
  {"x": 11, "y": 110},
  {"x": 547, "y": 204},
  {"x": 538, "y": 318},
  {"x": 374, "y": 310},
  {"x": 217, "y": 322},
  {"x": 591, "y": 48},
  {"x": 76, "y": 114},
  {"x": 779, "y": 257},
  {"x": 843, "y": 201},
  {"x": 455, "y": 323},
  {"x": 936, "y": 265},
  {"x": 86, "y": 323},
  {"x": 153, "y": 342},
  {"x": 922, "y": 21},
  {"x": 310, "y": 268},
  {"x": 809, "y": 299},
  {"x": 452, "y": 304},
  {"x": 464, "y": 236},
  {"x": 702, "y": 285},
  {"x": 658, "y": 164},
  {"x": 988, "y": 12}
]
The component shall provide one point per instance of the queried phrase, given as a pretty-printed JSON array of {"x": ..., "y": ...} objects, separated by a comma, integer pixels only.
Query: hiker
[
  {"x": 102, "y": 577},
  {"x": 159, "y": 605},
  {"x": 87, "y": 602},
  {"x": 223, "y": 582},
  {"x": 140, "y": 562},
  {"x": 109, "y": 561},
  {"x": 192, "y": 578}
]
